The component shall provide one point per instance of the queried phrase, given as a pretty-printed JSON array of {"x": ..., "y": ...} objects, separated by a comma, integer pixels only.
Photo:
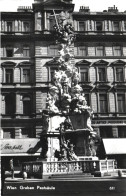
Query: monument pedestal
[
  {"x": 80, "y": 139},
  {"x": 82, "y": 143}
]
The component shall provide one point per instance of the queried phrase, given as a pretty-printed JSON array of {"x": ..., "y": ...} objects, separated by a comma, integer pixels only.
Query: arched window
[
  {"x": 10, "y": 104},
  {"x": 26, "y": 105}
]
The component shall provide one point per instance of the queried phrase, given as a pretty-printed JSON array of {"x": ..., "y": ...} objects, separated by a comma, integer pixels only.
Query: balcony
[
  {"x": 100, "y": 33},
  {"x": 16, "y": 32}
]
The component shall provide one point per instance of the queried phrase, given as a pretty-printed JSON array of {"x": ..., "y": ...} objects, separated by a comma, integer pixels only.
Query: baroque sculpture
[{"x": 66, "y": 96}]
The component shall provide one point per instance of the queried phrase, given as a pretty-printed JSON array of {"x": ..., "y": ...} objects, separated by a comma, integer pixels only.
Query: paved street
[{"x": 81, "y": 187}]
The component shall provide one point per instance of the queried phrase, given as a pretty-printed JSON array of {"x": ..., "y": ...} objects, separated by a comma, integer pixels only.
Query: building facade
[{"x": 28, "y": 49}]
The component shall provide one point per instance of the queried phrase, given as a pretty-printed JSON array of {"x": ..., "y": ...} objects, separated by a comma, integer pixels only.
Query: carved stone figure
[
  {"x": 90, "y": 115},
  {"x": 71, "y": 154}
]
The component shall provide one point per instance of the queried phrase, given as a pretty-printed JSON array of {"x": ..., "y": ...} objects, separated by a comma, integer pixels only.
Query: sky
[{"x": 95, "y": 5}]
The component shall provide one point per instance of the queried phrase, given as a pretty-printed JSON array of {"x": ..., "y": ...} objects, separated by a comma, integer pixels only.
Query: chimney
[
  {"x": 113, "y": 9},
  {"x": 84, "y": 9},
  {"x": 24, "y": 9}
]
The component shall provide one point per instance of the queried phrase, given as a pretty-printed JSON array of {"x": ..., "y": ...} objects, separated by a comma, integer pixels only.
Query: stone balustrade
[{"x": 44, "y": 168}]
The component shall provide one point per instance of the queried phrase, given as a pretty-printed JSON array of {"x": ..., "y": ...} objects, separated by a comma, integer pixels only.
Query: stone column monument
[{"x": 66, "y": 99}]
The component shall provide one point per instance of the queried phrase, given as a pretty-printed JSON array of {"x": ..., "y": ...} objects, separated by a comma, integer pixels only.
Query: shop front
[
  {"x": 116, "y": 148},
  {"x": 19, "y": 150}
]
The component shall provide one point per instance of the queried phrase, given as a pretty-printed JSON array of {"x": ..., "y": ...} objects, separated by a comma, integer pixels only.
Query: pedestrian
[
  {"x": 2, "y": 179},
  {"x": 12, "y": 167}
]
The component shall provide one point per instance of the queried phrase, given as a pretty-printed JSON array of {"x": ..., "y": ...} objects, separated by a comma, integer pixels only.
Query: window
[
  {"x": 9, "y": 26},
  {"x": 26, "y": 105},
  {"x": 10, "y": 104},
  {"x": 98, "y": 26},
  {"x": 121, "y": 103},
  {"x": 116, "y": 26},
  {"x": 9, "y": 51},
  {"x": 119, "y": 75},
  {"x": 82, "y": 51},
  {"x": 117, "y": 51},
  {"x": 53, "y": 50},
  {"x": 103, "y": 103},
  {"x": 39, "y": 24},
  {"x": 26, "y": 51},
  {"x": 9, "y": 75},
  {"x": 26, "y": 26},
  {"x": 8, "y": 133},
  {"x": 101, "y": 71},
  {"x": 106, "y": 132},
  {"x": 122, "y": 132},
  {"x": 101, "y": 74},
  {"x": 99, "y": 51},
  {"x": 81, "y": 26},
  {"x": 84, "y": 75},
  {"x": 26, "y": 75},
  {"x": 26, "y": 133}
]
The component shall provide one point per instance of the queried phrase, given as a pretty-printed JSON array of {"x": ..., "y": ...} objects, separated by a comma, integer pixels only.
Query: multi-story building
[{"x": 28, "y": 49}]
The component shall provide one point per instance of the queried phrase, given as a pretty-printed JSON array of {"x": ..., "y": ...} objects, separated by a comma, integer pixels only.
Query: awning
[
  {"x": 19, "y": 146},
  {"x": 115, "y": 146}
]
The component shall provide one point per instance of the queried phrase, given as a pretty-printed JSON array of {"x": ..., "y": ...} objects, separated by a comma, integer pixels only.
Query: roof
[{"x": 115, "y": 146}]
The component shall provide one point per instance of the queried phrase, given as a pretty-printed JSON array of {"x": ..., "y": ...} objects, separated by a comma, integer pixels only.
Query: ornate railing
[
  {"x": 63, "y": 167},
  {"x": 107, "y": 165},
  {"x": 41, "y": 168}
]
